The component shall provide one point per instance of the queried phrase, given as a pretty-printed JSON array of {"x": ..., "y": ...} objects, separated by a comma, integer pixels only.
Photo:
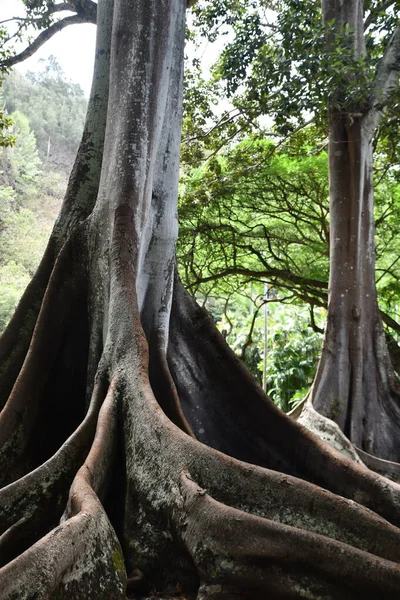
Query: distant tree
[
  {"x": 20, "y": 164},
  {"x": 55, "y": 108},
  {"x": 26, "y": 214},
  {"x": 261, "y": 213},
  {"x": 341, "y": 66}
]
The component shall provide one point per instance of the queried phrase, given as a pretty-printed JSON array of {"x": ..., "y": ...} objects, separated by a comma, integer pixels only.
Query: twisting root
[
  {"x": 238, "y": 551},
  {"x": 387, "y": 468},
  {"x": 81, "y": 558},
  {"x": 33, "y": 505},
  {"x": 15, "y": 340},
  {"x": 164, "y": 387},
  {"x": 19, "y": 416}
]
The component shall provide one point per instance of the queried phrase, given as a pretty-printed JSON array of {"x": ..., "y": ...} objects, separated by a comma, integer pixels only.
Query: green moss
[
  {"x": 337, "y": 407},
  {"x": 119, "y": 563}
]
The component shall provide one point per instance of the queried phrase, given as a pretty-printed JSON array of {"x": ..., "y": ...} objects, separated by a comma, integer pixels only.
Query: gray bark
[{"x": 355, "y": 384}]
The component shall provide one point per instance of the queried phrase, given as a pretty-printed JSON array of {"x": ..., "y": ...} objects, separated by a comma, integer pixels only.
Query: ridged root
[{"x": 81, "y": 556}]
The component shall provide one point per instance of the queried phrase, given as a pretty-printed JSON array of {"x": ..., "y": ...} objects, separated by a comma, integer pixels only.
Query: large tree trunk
[
  {"x": 355, "y": 384},
  {"x": 127, "y": 419}
]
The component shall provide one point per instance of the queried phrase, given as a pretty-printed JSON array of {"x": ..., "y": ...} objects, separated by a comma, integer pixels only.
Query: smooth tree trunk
[
  {"x": 138, "y": 456},
  {"x": 355, "y": 384}
]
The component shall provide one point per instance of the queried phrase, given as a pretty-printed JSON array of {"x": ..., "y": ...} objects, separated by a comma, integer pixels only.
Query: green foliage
[
  {"x": 259, "y": 214},
  {"x": 39, "y": 13},
  {"x": 30, "y": 193},
  {"x": 56, "y": 110},
  {"x": 20, "y": 164},
  {"x": 293, "y": 354},
  {"x": 13, "y": 280},
  {"x": 284, "y": 61},
  {"x": 5, "y": 122},
  {"x": 282, "y": 65},
  {"x": 293, "y": 347},
  {"x": 27, "y": 236},
  {"x": 18, "y": 251},
  {"x": 387, "y": 246}
]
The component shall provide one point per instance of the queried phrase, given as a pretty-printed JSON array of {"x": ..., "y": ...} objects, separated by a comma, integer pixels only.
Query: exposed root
[
  {"x": 164, "y": 388},
  {"x": 294, "y": 502},
  {"x": 33, "y": 505},
  {"x": 246, "y": 425},
  {"x": 388, "y": 469},
  {"x": 21, "y": 410},
  {"x": 81, "y": 558},
  {"x": 257, "y": 556},
  {"x": 328, "y": 431},
  {"x": 96, "y": 470}
]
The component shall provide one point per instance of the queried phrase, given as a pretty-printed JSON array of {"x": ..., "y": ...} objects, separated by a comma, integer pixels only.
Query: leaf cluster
[
  {"x": 282, "y": 60},
  {"x": 260, "y": 213}
]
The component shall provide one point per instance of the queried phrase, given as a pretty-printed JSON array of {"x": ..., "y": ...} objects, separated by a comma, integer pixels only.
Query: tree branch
[
  {"x": 373, "y": 13},
  {"x": 314, "y": 325},
  {"x": 43, "y": 37},
  {"x": 266, "y": 273},
  {"x": 390, "y": 322},
  {"x": 386, "y": 78},
  {"x": 249, "y": 339},
  {"x": 317, "y": 288},
  {"x": 64, "y": 6}
]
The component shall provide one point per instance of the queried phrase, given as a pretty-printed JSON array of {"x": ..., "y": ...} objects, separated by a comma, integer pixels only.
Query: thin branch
[
  {"x": 314, "y": 325},
  {"x": 385, "y": 271},
  {"x": 249, "y": 339},
  {"x": 65, "y": 6},
  {"x": 267, "y": 273},
  {"x": 386, "y": 78},
  {"x": 390, "y": 322},
  {"x": 220, "y": 123},
  {"x": 44, "y": 37},
  {"x": 373, "y": 13}
]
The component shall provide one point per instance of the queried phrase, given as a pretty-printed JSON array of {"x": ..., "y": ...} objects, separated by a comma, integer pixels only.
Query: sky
[{"x": 73, "y": 47}]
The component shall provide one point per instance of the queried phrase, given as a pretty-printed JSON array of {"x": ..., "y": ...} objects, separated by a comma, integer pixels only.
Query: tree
[
  {"x": 29, "y": 202},
  {"x": 55, "y": 108},
  {"x": 344, "y": 70},
  {"x": 127, "y": 418},
  {"x": 355, "y": 376},
  {"x": 259, "y": 212}
]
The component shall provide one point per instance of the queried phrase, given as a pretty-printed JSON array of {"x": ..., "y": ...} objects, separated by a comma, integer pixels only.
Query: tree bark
[
  {"x": 355, "y": 384},
  {"x": 138, "y": 454}
]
